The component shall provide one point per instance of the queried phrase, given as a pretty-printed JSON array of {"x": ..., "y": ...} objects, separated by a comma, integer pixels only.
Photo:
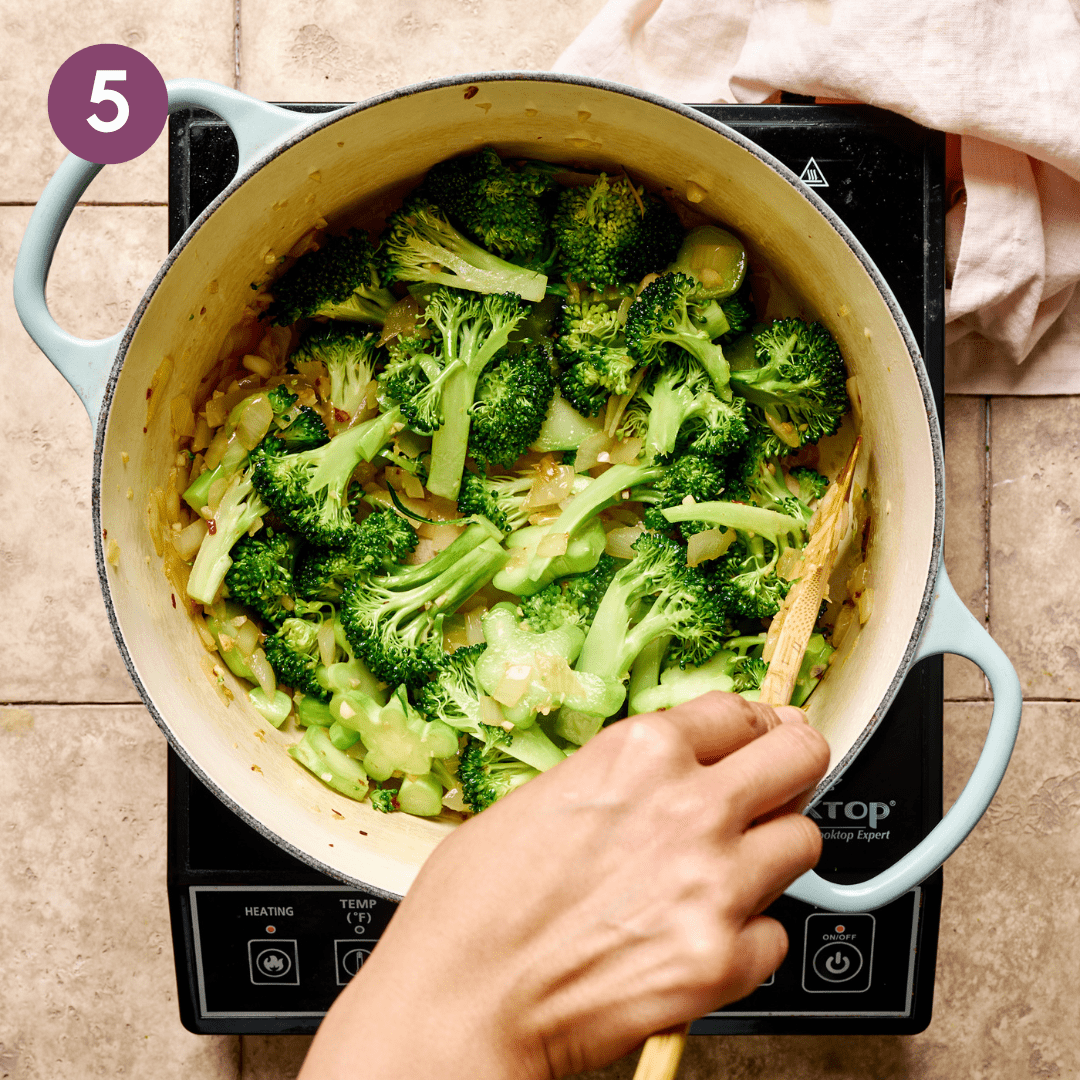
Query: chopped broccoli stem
[
  {"x": 318, "y": 755},
  {"x": 420, "y": 245}
]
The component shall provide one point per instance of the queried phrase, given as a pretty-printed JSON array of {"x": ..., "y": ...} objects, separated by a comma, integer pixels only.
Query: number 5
[{"x": 102, "y": 93}]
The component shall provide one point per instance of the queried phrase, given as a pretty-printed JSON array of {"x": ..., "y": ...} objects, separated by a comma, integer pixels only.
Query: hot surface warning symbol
[{"x": 812, "y": 175}]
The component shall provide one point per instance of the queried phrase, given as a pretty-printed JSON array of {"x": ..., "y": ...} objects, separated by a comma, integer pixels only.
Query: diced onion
[
  {"x": 247, "y": 637},
  {"x": 858, "y": 580},
  {"x": 217, "y": 410},
  {"x": 621, "y": 540},
  {"x": 785, "y": 432},
  {"x": 625, "y": 451},
  {"x": 845, "y": 621},
  {"x": 553, "y": 544},
  {"x": 204, "y": 634},
  {"x": 474, "y": 631},
  {"x": 183, "y": 418},
  {"x": 556, "y": 675},
  {"x": 787, "y": 566},
  {"x": 188, "y": 540},
  {"x": 710, "y": 544},
  {"x": 440, "y": 535},
  {"x": 327, "y": 645},
  {"x": 413, "y": 488},
  {"x": 490, "y": 711},
  {"x": 216, "y": 450},
  {"x": 513, "y": 685},
  {"x": 217, "y": 490},
  {"x": 254, "y": 422},
  {"x": 400, "y": 319},
  {"x": 201, "y": 439},
  {"x": 258, "y": 364},
  {"x": 590, "y": 450},
  {"x": 866, "y": 604},
  {"x": 261, "y": 669},
  {"x": 550, "y": 487}
]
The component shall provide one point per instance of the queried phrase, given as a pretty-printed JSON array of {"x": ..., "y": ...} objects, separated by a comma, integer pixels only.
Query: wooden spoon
[{"x": 785, "y": 644}]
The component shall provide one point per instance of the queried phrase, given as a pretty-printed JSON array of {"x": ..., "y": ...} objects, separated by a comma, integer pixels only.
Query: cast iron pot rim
[{"x": 688, "y": 113}]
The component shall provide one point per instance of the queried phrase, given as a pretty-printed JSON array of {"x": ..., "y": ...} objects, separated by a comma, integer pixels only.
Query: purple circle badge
[{"x": 108, "y": 104}]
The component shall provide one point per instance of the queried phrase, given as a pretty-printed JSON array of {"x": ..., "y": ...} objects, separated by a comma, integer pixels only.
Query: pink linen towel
[{"x": 1002, "y": 74}]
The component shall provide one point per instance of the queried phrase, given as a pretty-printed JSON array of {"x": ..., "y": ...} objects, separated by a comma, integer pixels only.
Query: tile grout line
[
  {"x": 235, "y": 44},
  {"x": 988, "y": 489}
]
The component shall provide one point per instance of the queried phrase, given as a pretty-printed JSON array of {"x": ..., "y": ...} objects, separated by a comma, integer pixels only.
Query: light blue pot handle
[
  {"x": 258, "y": 127},
  {"x": 950, "y": 628}
]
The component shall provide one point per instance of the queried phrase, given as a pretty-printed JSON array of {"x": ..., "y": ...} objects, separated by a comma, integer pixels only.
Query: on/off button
[
  {"x": 838, "y": 953},
  {"x": 838, "y": 962}
]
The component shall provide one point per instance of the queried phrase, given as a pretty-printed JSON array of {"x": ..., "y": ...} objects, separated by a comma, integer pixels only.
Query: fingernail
[{"x": 789, "y": 714}]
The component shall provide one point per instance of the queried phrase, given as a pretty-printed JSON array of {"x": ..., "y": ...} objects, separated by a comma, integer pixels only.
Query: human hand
[{"x": 614, "y": 896}]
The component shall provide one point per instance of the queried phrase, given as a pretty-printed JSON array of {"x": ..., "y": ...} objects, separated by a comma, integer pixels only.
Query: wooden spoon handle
[{"x": 785, "y": 646}]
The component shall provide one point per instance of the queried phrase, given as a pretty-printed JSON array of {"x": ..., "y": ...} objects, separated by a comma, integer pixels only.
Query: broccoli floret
[
  {"x": 570, "y": 600},
  {"x": 350, "y": 358},
  {"x": 239, "y": 510},
  {"x": 798, "y": 383},
  {"x": 739, "y": 314},
  {"x": 676, "y": 409},
  {"x": 309, "y": 490},
  {"x": 293, "y": 653},
  {"x": 729, "y": 669},
  {"x": 436, "y": 389},
  {"x": 611, "y": 233},
  {"x": 381, "y": 540},
  {"x": 301, "y": 428},
  {"x": 812, "y": 484},
  {"x": 745, "y": 577},
  {"x": 502, "y": 209},
  {"x": 488, "y": 773},
  {"x": 395, "y": 620},
  {"x": 591, "y": 347},
  {"x": 694, "y": 476},
  {"x": 585, "y": 538},
  {"x": 382, "y": 799},
  {"x": 679, "y": 604},
  {"x": 454, "y": 698},
  {"x": 748, "y": 672},
  {"x": 512, "y": 399},
  {"x": 501, "y": 499},
  {"x": 339, "y": 281},
  {"x": 671, "y": 316},
  {"x": 420, "y": 245},
  {"x": 286, "y": 416},
  {"x": 262, "y": 574}
]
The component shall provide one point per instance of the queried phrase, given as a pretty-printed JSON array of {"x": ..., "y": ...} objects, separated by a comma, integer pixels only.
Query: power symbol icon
[
  {"x": 838, "y": 964},
  {"x": 837, "y": 961}
]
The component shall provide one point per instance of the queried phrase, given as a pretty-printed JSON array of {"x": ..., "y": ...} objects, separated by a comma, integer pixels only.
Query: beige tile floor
[{"x": 86, "y": 979}]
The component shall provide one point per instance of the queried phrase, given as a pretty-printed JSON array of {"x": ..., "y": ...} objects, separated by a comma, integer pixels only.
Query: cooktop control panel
[{"x": 284, "y": 952}]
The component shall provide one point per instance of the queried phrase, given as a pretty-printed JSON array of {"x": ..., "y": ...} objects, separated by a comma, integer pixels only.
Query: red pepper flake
[
  {"x": 337, "y": 813},
  {"x": 255, "y": 768},
  {"x": 361, "y": 832},
  {"x": 331, "y": 845},
  {"x": 202, "y": 311},
  {"x": 211, "y": 526},
  {"x": 149, "y": 391},
  {"x": 104, "y": 534},
  {"x": 144, "y": 431},
  {"x": 471, "y": 92},
  {"x": 172, "y": 596},
  {"x": 341, "y": 416}
]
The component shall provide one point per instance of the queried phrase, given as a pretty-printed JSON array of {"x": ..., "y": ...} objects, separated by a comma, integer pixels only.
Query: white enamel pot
[{"x": 295, "y": 168}]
